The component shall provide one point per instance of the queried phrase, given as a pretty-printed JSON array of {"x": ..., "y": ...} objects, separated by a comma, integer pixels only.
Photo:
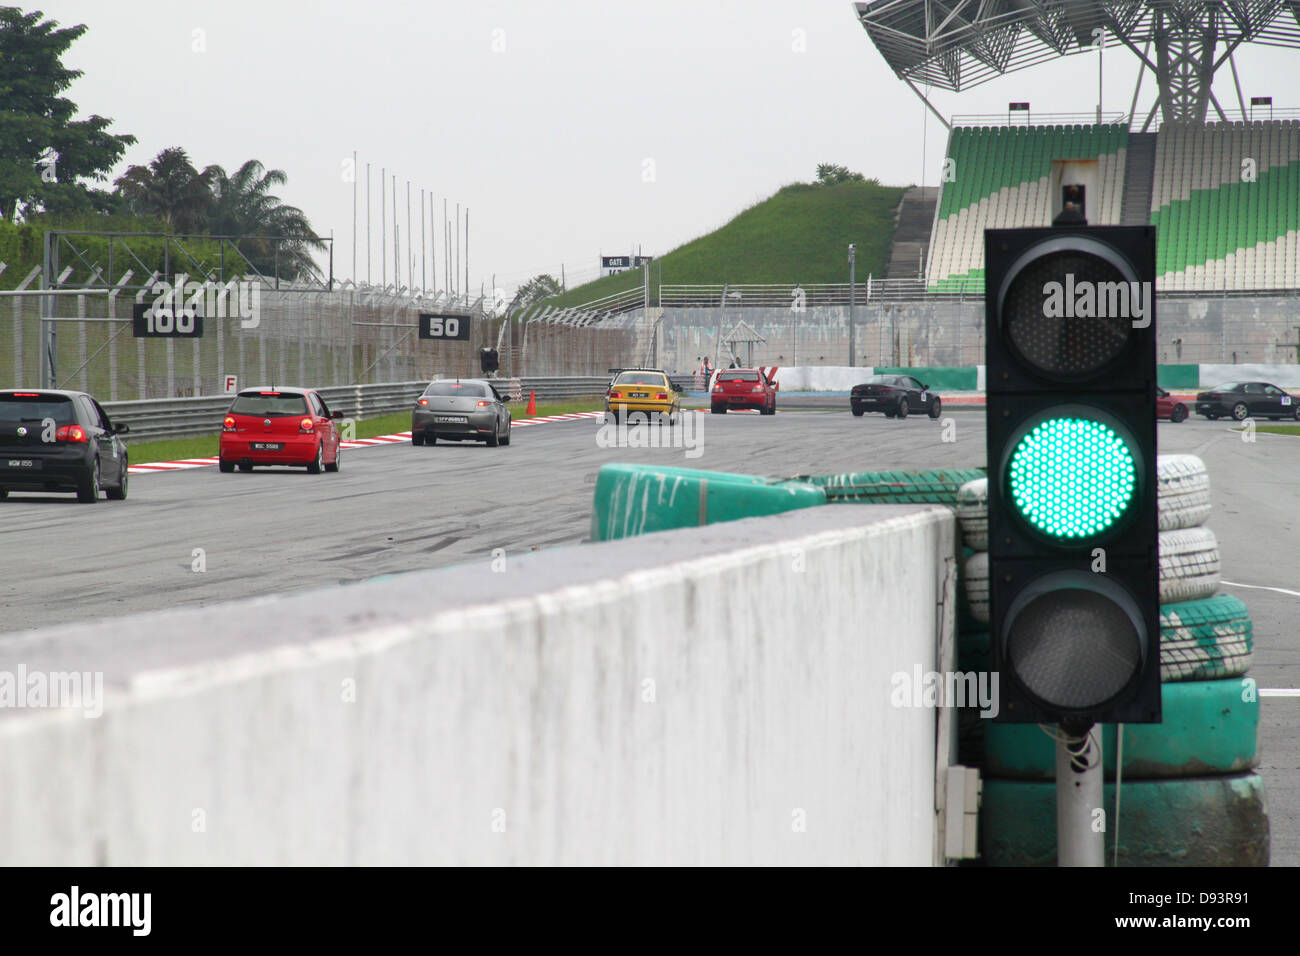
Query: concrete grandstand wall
[
  {"x": 719, "y": 695},
  {"x": 945, "y": 332}
]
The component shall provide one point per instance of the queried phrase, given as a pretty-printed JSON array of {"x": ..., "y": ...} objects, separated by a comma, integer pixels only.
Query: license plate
[
  {"x": 22, "y": 463},
  {"x": 267, "y": 446},
  {"x": 451, "y": 419},
  {"x": 638, "y": 394}
]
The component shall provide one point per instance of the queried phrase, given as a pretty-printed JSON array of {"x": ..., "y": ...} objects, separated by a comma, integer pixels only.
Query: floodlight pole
[
  {"x": 853, "y": 306},
  {"x": 1080, "y": 828}
]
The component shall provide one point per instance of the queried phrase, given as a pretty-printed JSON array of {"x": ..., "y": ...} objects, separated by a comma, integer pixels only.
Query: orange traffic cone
[{"x": 532, "y": 404}]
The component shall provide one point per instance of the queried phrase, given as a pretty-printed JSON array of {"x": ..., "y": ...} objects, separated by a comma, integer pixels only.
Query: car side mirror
[
  {"x": 338, "y": 416},
  {"x": 121, "y": 429}
]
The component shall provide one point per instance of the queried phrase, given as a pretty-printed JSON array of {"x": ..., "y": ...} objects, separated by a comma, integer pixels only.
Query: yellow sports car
[{"x": 647, "y": 391}]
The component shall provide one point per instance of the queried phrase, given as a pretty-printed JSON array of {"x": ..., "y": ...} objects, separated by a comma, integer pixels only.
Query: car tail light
[
  {"x": 718, "y": 387},
  {"x": 661, "y": 396},
  {"x": 229, "y": 424},
  {"x": 423, "y": 401},
  {"x": 26, "y": 395},
  {"x": 615, "y": 394},
  {"x": 268, "y": 393},
  {"x": 306, "y": 425},
  {"x": 484, "y": 404},
  {"x": 757, "y": 388},
  {"x": 71, "y": 433}
]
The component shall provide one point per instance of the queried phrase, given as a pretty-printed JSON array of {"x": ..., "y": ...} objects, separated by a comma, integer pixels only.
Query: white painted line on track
[
  {"x": 1279, "y": 692},
  {"x": 1260, "y": 587}
]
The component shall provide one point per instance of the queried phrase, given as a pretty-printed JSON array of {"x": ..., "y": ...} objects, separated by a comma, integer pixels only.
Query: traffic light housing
[
  {"x": 488, "y": 360},
  {"x": 1070, "y": 379}
]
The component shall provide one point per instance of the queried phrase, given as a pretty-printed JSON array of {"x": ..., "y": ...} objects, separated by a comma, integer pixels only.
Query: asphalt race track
[{"x": 396, "y": 508}]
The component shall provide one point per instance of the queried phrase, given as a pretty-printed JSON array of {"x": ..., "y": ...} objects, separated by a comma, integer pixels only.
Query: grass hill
[{"x": 800, "y": 234}]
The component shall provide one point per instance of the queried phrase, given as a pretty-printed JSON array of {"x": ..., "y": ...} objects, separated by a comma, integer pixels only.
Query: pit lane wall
[{"x": 715, "y": 695}]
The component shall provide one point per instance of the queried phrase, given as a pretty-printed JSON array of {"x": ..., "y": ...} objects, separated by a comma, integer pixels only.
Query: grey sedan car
[{"x": 466, "y": 409}]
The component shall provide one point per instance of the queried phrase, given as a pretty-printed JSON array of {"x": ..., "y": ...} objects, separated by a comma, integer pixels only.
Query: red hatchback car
[
  {"x": 280, "y": 426},
  {"x": 1169, "y": 407},
  {"x": 743, "y": 388}
]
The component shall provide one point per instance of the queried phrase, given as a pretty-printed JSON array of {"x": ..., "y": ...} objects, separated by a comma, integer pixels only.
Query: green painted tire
[
  {"x": 638, "y": 499},
  {"x": 1191, "y": 821},
  {"x": 938, "y": 487},
  {"x": 1207, "y": 728},
  {"x": 1203, "y": 640}
]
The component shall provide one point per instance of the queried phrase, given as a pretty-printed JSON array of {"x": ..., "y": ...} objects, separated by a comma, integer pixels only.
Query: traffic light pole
[{"x": 1080, "y": 813}]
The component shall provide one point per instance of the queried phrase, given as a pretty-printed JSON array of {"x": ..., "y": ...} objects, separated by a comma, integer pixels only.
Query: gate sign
[
  {"x": 231, "y": 384},
  {"x": 434, "y": 325},
  {"x": 151, "y": 320}
]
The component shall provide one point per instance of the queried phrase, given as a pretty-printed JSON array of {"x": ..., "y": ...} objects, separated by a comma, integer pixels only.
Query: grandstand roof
[{"x": 958, "y": 44}]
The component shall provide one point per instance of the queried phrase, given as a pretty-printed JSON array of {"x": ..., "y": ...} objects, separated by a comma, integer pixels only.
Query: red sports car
[
  {"x": 1169, "y": 407},
  {"x": 743, "y": 388},
  {"x": 280, "y": 426}
]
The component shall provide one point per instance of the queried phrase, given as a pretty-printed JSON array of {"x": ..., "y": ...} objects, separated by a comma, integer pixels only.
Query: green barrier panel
[
  {"x": 639, "y": 499},
  {"x": 1178, "y": 376},
  {"x": 1206, "y": 729},
  {"x": 908, "y": 487},
  {"x": 1192, "y": 821},
  {"x": 939, "y": 378}
]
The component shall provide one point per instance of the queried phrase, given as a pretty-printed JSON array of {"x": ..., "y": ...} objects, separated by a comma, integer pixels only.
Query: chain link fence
[{"x": 309, "y": 337}]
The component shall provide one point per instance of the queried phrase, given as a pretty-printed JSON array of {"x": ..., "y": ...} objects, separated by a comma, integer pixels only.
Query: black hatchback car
[
  {"x": 54, "y": 440},
  {"x": 1242, "y": 400},
  {"x": 895, "y": 395}
]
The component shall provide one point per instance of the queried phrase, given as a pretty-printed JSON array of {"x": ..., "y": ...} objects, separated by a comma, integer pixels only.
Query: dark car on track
[
  {"x": 279, "y": 426},
  {"x": 895, "y": 395},
  {"x": 466, "y": 409},
  {"x": 55, "y": 440},
  {"x": 1167, "y": 406},
  {"x": 735, "y": 388},
  {"x": 1241, "y": 400}
]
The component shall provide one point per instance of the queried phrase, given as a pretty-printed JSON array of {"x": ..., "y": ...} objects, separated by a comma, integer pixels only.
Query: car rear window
[
  {"x": 16, "y": 409},
  {"x": 738, "y": 376},
  {"x": 641, "y": 378},
  {"x": 452, "y": 389},
  {"x": 269, "y": 405}
]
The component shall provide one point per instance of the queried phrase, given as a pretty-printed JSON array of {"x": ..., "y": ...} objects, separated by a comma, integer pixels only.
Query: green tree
[
  {"x": 44, "y": 151},
  {"x": 536, "y": 289},
  {"x": 169, "y": 188},
  {"x": 831, "y": 174},
  {"x": 243, "y": 205}
]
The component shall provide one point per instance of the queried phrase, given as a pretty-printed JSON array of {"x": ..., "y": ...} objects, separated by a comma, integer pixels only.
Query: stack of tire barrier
[{"x": 1190, "y": 796}]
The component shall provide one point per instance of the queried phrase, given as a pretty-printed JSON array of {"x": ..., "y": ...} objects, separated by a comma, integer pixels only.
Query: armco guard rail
[{"x": 187, "y": 417}]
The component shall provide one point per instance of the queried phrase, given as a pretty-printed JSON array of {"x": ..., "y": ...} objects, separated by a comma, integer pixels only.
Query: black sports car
[
  {"x": 895, "y": 395},
  {"x": 1241, "y": 400}
]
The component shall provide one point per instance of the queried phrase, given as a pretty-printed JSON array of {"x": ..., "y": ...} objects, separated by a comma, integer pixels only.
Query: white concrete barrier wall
[
  {"x": 714, "y": 695},
  {"x": 1283, "y": 376}
]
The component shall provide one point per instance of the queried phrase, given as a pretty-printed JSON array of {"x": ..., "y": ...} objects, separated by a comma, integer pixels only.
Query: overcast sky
[{"x": 569, "y": 128}]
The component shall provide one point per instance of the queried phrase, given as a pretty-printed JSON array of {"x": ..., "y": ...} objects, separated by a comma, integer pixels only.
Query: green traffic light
[{"x": 1072, "y": 477}]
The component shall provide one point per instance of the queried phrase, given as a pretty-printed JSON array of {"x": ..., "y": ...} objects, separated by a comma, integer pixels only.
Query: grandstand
[
  {"x": 1217, "y": 230},
  {"x": 1224, "y": 195}
]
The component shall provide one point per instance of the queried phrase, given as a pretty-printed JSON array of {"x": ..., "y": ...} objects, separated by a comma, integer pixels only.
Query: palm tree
[
  {"x": 169, "y": 188},
  {"x": 242, "y": 205}
]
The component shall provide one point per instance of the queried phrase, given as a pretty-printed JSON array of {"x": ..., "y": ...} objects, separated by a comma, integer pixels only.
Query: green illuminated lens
[{"x": 1072, "y": 477}]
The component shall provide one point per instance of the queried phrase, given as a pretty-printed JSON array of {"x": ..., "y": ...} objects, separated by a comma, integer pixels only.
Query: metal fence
[
  {"x": 185, "y": 417},
  {"x": 299, "y": 336}
]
